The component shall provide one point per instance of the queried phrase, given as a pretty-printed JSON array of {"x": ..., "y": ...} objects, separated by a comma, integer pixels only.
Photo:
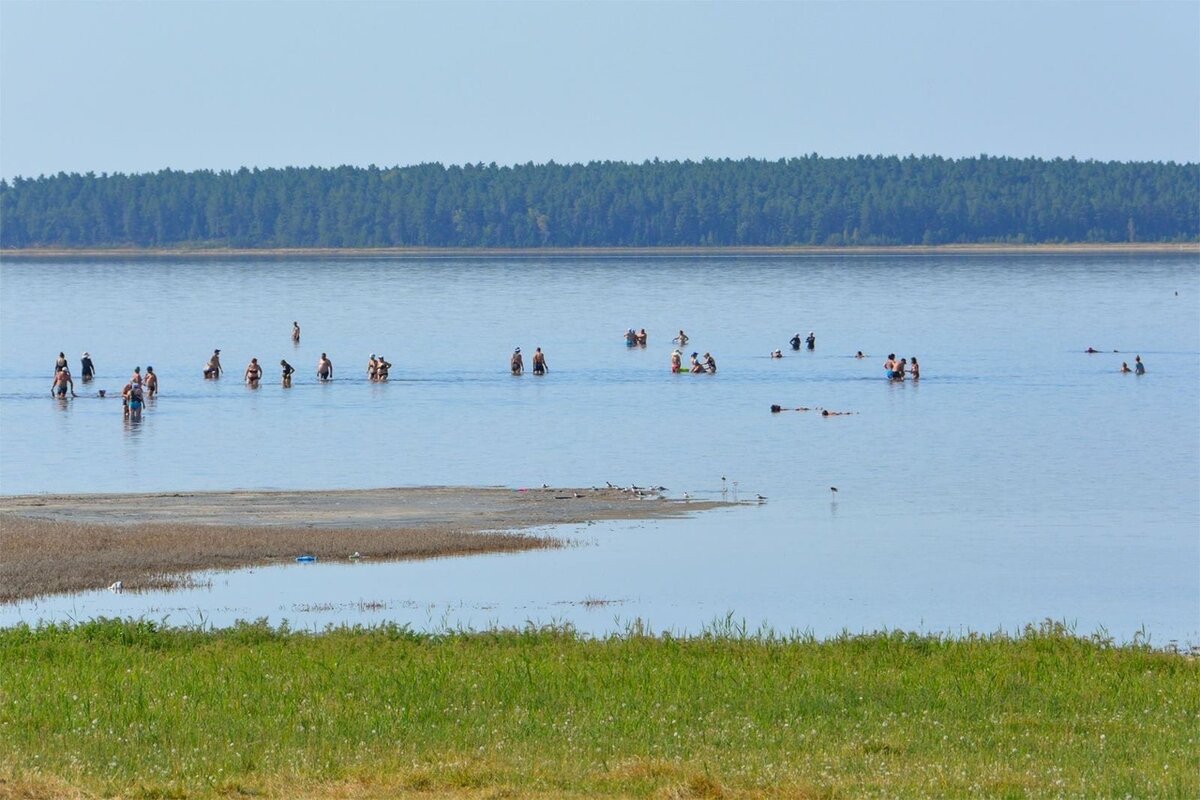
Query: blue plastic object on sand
[{"x": 306, "y": 559}]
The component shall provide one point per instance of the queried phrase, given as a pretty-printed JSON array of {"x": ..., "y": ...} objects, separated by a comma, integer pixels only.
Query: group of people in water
[
  {"x": 1138, "y": 367},
  {"x": 898, "y": 370}
]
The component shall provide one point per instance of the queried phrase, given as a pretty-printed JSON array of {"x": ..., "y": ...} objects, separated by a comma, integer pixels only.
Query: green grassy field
[{"x": 130, "y": 709}]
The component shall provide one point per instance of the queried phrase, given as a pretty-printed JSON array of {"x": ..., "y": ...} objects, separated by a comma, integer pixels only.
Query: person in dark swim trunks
[
  {"x": 539, "y": 362},
  {"x": 324, "y": 368},
  {"x": 150, "y": 382},
  {"x": 811, "y": 341},
  {"x": 213, "y": 368},
  {"x": 87, "y": 369},
  {"x": 62, "y": 382},
  {"x": 795, "y": 342}
]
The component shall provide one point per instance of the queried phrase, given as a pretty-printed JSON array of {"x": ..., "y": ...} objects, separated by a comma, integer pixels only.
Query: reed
[{"x": 134, "y": 709}]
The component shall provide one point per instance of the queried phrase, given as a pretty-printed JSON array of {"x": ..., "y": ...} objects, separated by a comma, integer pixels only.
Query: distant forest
[{"x": 799, "y": 201}]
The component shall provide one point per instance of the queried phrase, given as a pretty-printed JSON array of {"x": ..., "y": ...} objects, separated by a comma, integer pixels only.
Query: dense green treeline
[{"x": 800, "y": 201}]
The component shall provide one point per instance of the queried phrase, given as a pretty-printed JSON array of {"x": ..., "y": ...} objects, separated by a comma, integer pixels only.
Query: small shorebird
[{"x": 116, "y": 586}]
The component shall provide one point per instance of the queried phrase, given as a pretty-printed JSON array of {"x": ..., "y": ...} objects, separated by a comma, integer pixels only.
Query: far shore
[
  {"x": 54, "y": 544},
  {"x": 51, "y": 253}
]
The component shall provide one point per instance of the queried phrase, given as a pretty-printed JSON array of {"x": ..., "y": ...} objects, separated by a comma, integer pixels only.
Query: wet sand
[{"x": 64, "y": 543}]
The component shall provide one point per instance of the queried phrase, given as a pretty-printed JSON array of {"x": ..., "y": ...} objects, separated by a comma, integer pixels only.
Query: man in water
[
  {"x": 795, "y": 342},
  {"x": 776, "y": 354},
  {"x": 87, "y": 370},
  {"x": 811, "y": 341},
  {"x": 62, "y": 382},
  {"x": 150, "y": 383},
  {"x": 643, "y": 337},
  {"x": 517, "y": 363},
  {"x": 539, "y": 362},
  {"x": 253, "y": 372},
  {"x": 324, "y": 368},
  {"x": 682, "y": 338},
  {"x": 213, "y": 369},
  {"x": 296, "y": 332},
  {"x": 288, "y": 369},
  {"x": 710, "y": 363},
  {"x": 889, "y": 366},
  {"x": 1138, "y": 367}
]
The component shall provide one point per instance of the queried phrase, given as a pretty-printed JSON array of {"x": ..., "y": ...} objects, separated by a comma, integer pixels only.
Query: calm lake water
[{"x": 1020, "y": 479}]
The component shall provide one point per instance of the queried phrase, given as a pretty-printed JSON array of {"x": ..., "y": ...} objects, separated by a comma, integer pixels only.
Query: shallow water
[{"x": 1019, "y": 479}]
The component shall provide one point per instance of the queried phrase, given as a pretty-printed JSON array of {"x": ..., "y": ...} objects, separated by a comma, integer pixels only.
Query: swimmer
[
  {"x": 795, "y": 342},
  {"x": 517, "y": 362},
  {"x": 676, "y": 361},
  {"x": 87, "y": 369},
  {"x": 1091, "y": 350},
  {"x": 213, "y": 369},
  {"x": 825, "y": 412},
  {"x": 382, "y": 365},
  {"x": 777, "y": 409},
  {"x": 150, "y": 382},
  {"x": 710, "y": 363},
  {"x": 539, "y": 362},
  {"x": 62, "y": 382},
  {"x": 288, "y": 369},
  {"x": 1138, "y": 367},
  {"x": 324, "y": 368},
  {"x": 682, "y": 338},
  {"x": 253, "y": 372},
  {"x": 132, "y": 393},
  {"x": 811, "y": 341},
  {"x": 296, "y": 332},
  {"x": 859, "y": 354},
  {"x": 60, "y": 363},
  {"x": 915, "y": 369},
  {"x": 1125, "y": 367},
  {"x": 643, "y": 337},
  {"x": 776, "y": 354}
]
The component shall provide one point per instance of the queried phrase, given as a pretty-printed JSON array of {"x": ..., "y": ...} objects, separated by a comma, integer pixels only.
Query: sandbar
[{"x": 67, "y": 543}]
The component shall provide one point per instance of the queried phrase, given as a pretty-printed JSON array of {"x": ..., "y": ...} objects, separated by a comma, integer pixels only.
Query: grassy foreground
[{"x": 130, "y": 709}]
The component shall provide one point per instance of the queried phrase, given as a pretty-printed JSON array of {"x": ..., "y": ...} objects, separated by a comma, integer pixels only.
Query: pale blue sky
[{"x": 133, "y": 87}]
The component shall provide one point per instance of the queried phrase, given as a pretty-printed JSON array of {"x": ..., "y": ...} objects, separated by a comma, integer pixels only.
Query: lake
[{"x": 1019, "y": 479}]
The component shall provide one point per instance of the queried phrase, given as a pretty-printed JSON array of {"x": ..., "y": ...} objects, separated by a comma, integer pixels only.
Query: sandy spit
[{"x": 65, "y": 543}]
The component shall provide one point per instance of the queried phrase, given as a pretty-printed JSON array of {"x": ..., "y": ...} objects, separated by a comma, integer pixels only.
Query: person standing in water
[
  {"x": 137, "y": 376},
  {"x": 682, "y": 338},
  {"x": 62, "y": 382},
  {"x": 539, "y": 362},
  {"x": 643, "y": 337},
  {"x": 914, "y": 369},
  {"x": 1138, "y": 367},
  {"x": 811, "y": 341},
  {"x": 676, "y": 361},
  {"x": 60, "y": 363},
  {"x": 517, "y": 362},
  {"x": 288, "y": 369},
  {"x": 795, "y": 341},
  {"x": 324, "y": 368},
  {"x": 87, "y": 370},
  {"x": 213, "y": 369},
  {"x": 253, "y": 372},
  {"x": 296, "y": 332},
  {"x": 150, "y": 383}
]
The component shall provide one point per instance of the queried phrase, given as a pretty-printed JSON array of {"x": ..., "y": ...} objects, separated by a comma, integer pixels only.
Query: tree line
[{"x": 798, "y": 201}]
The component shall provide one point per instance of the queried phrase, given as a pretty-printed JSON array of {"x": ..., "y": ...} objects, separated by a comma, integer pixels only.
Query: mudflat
[{"x": 64, "y": 543}]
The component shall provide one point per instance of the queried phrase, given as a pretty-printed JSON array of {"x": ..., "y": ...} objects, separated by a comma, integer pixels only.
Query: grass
[{"x": 132, "y": 709}]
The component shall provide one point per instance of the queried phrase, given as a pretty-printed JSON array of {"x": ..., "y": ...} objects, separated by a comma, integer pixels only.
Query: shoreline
[
  {"x": 52, "y": 253},
  {"x": 56, "y": 544}
]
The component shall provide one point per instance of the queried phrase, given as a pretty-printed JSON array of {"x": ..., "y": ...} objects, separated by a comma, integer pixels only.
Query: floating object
[
  {"x": 116, "y": 586},
  {"x": 305, "y": 559}
]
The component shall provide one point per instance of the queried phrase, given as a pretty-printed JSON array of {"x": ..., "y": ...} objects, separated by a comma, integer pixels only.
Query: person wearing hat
[
  {"x": 87, "y": 370},
  {"x": 676, "y": 361},
  {"x": 697, "y": 367},
  {"x": 517, "y": 363},
  {"x": 213, "y": 369},
  {"x": 795, "y": 341}
]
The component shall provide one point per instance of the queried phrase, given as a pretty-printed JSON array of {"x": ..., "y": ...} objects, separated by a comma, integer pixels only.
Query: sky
[{"x": 138, "y": 87}]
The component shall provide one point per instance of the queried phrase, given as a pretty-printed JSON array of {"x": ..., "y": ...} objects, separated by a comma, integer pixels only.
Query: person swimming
[
  {"x": 776, "y": 354},
  {"x": 1125, "y": 367},
  {"x": 859, "y": 354}
]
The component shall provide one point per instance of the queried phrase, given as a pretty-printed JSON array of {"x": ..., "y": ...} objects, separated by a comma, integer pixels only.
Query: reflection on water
[{"x": 1018, "y": 479}]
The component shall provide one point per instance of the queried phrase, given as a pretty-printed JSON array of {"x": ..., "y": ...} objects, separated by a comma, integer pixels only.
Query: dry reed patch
[{"x": 47, "y": 557}]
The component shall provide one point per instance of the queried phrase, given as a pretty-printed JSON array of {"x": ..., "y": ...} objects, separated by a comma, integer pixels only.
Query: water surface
[{"x": 1019, "y": 479}]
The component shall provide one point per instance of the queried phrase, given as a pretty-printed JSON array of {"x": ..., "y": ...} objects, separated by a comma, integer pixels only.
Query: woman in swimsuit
[
  {"x": 382, "y": 365},
  {"x": 288, "y": 369},
  {"x": 915, "y": 369},
  {"x": 253, "y": 372}
]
